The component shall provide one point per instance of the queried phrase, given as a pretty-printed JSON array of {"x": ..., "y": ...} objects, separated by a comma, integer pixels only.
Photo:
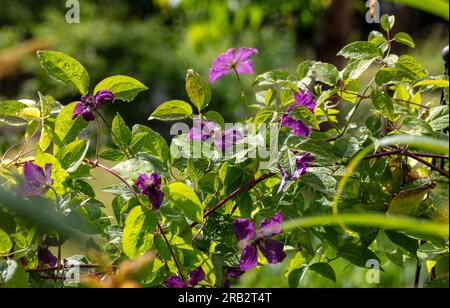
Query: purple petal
[
  {"x": 272, "y": 250},
  {"x": 249, "y": 258},
  {"x": 203, "y": 130},
  {"x": 102, "y": 97},
  {"x": 302, "y": 165},
  {"x": 88, "y": 114},
  {"x": 46, "y": 257},
  {"x": 142, "y": 181},
  {"x": 156, "y": 198},
  {"x": 34, "y": 174},
  {"x": 244, "y": 229},
  {"x": 245, "y": 68},
  {"x": 174, "y": 282},
  {"x": 155, "y": 180},
  {"x": 222, "y": 65},
  {"x": 228, "y": 139},
  {"x": 271, "y": 227},
  {"x": 234, "y": 273},
  {"x": 304, "y": 99},
  {"x": 298, "y": 127},
  {"x": 48, "y": 173},
  {"x": 78, "y": 110},
  {"x": 196, "y": 276},
  {"x": 30, "y": 190},
  {"x": 245, "y": 53}
]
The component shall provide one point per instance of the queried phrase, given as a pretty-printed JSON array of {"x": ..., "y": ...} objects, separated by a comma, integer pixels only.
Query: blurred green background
[{"x": 157, "y": 41}]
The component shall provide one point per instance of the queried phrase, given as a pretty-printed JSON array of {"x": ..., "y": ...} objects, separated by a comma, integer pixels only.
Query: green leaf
[
  {"x": 346, "y": 147},
  {"x": 5, "y": 242},
  {"x": 12, "y": 275},
  {"x": 66, "y": 129},
  {"x": 305, "y": 115},
  {"x": 172, "y": 111},
  {"x": 124, "y": 88},
  {"x": 358, "y": 50},
  {"x": 384, "y": 104},
  {"x": 198, "y": 90},
  {"x": 303, "y": 68},
  {"x": 357, "y": 255},
  {"x": 411, "y": 67},
  {"x": 144, "y": 163},
  {"x": 138, "y": 232},
  {"x": 65, "y": 69},
  {"x": 405, "y": 39},
  {"x": 183, "y": 198},
  {"x": 324, "y": 270},
  {"x": 112, "y": 155},
  {"x": 120, "y": 132},
  {"x": 436, "y": 7},
  {"x": 10, "y": 113},
  {"x": 357, "y": 67},
  {"x": 72, "y": 155},
  {"x": 387, "y": 22},
  {"x": 438, "y": 83},
  {"x": 321, "y": 150},
  {"x": 295, "y": 270},
  {"x": 408, "y": 202},
  {"x": 438, "y": 118},
  {"x": 264, "y": 116},
  {"x": 407, "y": 243},
  {"x": 46, "y": 134},
  {"x": 325, "y": 73},
  {"x": 153, "y": 143}
]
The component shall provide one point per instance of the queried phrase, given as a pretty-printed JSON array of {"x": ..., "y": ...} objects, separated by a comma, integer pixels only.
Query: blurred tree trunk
[{"x": 334, "y": 31}]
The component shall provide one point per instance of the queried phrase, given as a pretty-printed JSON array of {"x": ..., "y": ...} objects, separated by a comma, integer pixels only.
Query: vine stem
[
  {"x": 420, "y": 160},
  {"x": 97, "y": 149},
  {"x": 160, "y": 229},
  {"x": 245, "y": 186}
]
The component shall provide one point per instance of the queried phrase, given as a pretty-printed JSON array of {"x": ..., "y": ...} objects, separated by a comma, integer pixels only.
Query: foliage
[{"x": 346, "y": 194}]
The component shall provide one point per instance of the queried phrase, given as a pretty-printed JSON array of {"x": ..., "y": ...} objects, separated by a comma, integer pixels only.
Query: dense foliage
[{"x": 205, "y": 211}]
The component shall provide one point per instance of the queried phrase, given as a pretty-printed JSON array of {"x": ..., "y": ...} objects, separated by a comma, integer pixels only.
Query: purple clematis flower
[
  {"x": 302, "y": 165},
  {"x": 223, "y": 140},
  {"x": 46, "y": 257},
  {"x": 151, "y": 187},
  {"x": 89, "y": 103},
  {"x": 298, "y": 127},
  {"x": 195, "y": 277},
  {"x": 232, "y": 61},
  {"x": 36, "y": 179},
  {"x": 231, "y": 273},
  {"x": 251, "y": 241}
]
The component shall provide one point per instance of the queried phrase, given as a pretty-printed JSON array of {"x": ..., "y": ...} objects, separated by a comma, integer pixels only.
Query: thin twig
[
  {"x": 180, "y": 271},
  {"x": 428, "y": 164}
]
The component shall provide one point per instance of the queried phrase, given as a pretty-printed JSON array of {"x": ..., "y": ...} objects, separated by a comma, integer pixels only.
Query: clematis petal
[
  {"x": 156, "y": 198},
  {"x": 78, "y": 110},
  {"x": 48, "y": 173},
  {"x": 245, "y": 53},
  {"x": 302, "y": 165},
  {"x": 245, "y": 67},
  {"x": 249, "y": 258},
  {"x": 222, "y": 66},
  {"x": 228, "y": 139},
  {"x": 46, "y": 257},
  {"x": 234, "y": 273},
  {"x": 88, "y": 114},
  {"x": 102, "y": 97},
  {"x": 30, "y": 190},
  {"x": 34, "y": 174},
  {"x": 244, "y": 229},
  {"x": 298, "y": 127},
  {"x": 174, "y": 282},
  {"x": 142, "y": 181},
  {"x": 272, "y": 250},
  {"x": 271, "y": 227},
  {"x": 196, "y": 276},
  {"x": 155, "y": 180}
]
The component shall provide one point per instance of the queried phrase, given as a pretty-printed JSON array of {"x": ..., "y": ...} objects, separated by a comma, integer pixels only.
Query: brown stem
[
  {"x": 180, "y": 272},
  {"x": 428, "y": 164},
  {"x": 246, "y": 186}
]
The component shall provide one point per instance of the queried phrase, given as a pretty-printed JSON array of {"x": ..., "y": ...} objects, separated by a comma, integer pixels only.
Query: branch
[
  {"x": 244, "y": 187},
  {"x": 420, "y": 160}
]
